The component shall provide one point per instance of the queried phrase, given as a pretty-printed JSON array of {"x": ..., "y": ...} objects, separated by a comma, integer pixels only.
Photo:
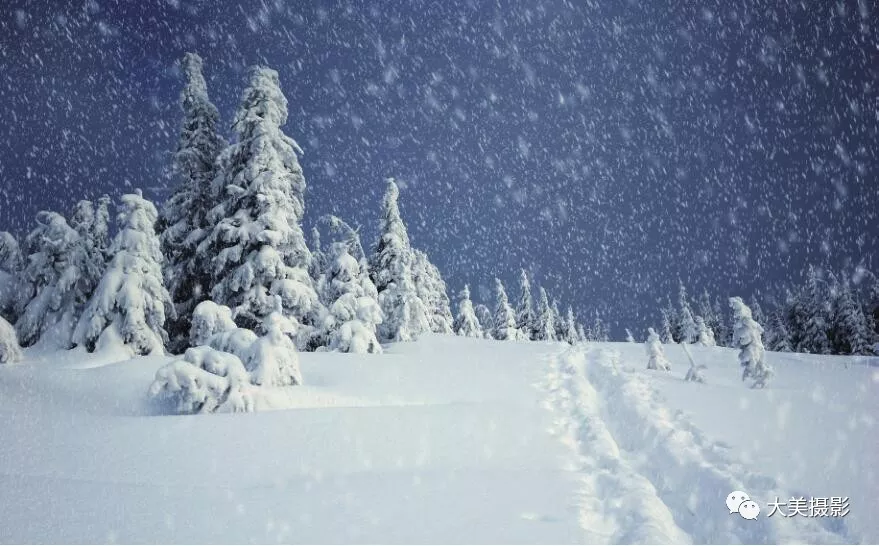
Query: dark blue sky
[{"x": 609, "y": 147}]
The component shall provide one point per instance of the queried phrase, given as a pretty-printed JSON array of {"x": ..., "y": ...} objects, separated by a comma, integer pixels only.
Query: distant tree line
[{"x": 825, "y": 314}]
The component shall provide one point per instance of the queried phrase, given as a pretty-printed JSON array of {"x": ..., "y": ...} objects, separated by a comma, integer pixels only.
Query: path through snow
[{"x": 648, "y": 475}]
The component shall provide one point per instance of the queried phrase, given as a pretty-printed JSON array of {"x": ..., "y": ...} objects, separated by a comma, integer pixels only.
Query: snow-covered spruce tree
[
  {"x": 706, "y": 336},
  {"x": 545, "y": 325},
  {"x": 354, "y": 311},
  {"x": 561, "y": 325},
  {"x": 319, "y": 262},
  {"x": 526, "y": 319},
  {"x": 667, "y": 335},
  {"x": 390, "y": 268},
  {"x": 61, "y": 279},
  {"x": 778, "y": 338},
  {"x": 757, "y": 312},
  {"x": 92, "y": 232},
  {"x": 183, "y": 222},
  {"x": 813, "y": 311},
  {"x": 432, "y": 290},
  {"x": 571, "y": 334},
  {"x": 720, "y": 324},
  {"x": 655, "y": 356},
  {"x": 130, "y": 303},
  {"x": 258, "y": 245},
  {"x": 10, "y": 351},
  {"x": 466, "y": 323},
  {"x": 485, "y": 318},
  {"x": 688, "y": 332},
  {"x": 101, "y": 226},
  {"x": 582, "y": 335},
  {"x": 748, "y": 339},
  {"x": 505, "y": 317},
  {"x": 600, "y": 331},
  {"x": 12, "y": 291},
  {"x": 629, "y": 337},
  {"x": 851, "y": 335}
]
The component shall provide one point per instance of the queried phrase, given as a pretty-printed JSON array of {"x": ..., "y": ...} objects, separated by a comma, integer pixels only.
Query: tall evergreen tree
[
  {"x": 405, "y": 314},
  {"x": 777, "y": 336},
  {"x": 525, "y": 318},
  {"x": 505, "y": 317},
  {"x": 850, "y": 334},
  {"x": 131, "y": 302},
  {"x": 485, "y": 318},
  {"x": 12, "y": 287},
  {"x": 688, "y": 333},
  {"x": 666, "y": 333},
  {"x": 814, "y": 315},
  {"x": 183, "y": 223},
  {"x": 545, "y": 319},
  {"x": 354, "y": 312},
  {"x": 561, "y": 325},
  {"x": 319, "y": 261},
  {"x": 60, "y": 275},
  {"x": 431, "y": 289},
  {"x": 466, "y": 323},
  {"x": 258, "y": 245},
  {"x": 572, "y": 336}
]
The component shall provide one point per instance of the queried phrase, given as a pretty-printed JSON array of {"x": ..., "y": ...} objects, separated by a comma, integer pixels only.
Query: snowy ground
[{"x": 445, "y": 440}]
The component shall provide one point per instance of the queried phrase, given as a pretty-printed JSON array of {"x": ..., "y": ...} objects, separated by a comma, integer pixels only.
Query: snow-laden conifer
[
  {"x": 706, "y": 336},
  {"x": 688, "y": 333},
  {"x": 526, "y": 319},
  {"x": 545, "y": 319},
  {"x": 666, "y": 336},
  {"x": 571, "y": 334},
  {"x": 629, "y": 337},
  {"x": 13, "y": 291},
  {"x": 432, "y": 291},
  {"x": 485, "y": 318},
  {"x": 183, "y": 223},
  {"x": 851, "y": 334},
  {"x": 561, "y": 325},
  {"x": 390, "y": 268},
  {"x": 354, "y": 311},
  {"x": 130, "y": 303},
  {"x": 273, "y": 359},
  {"x": 504, "y": 317},
  {"x": 466, "y": 322},
  {"x": 258, "y": 245},
  {"x": 748, "y": 339},
  {"x": 10, "y": 351},
  {"x": 319, "y": 261},
  {"x": 655, "y": 355},
  {"x": 60, "y": 279}
]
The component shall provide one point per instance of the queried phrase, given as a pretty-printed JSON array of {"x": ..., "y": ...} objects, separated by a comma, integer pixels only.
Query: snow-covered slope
[{"x": 444, "y": 440}]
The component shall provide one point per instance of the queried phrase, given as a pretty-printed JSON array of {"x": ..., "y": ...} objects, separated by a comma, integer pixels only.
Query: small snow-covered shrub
[
  {"x": 205, "y": 381},
  {"x": 209, "y": 319},
  {"x": 236, "y": 342},
  {"x": 273, "y": 359},
  {"x": 655, "y": 356},
  {"x": 9, "y": 349}
]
